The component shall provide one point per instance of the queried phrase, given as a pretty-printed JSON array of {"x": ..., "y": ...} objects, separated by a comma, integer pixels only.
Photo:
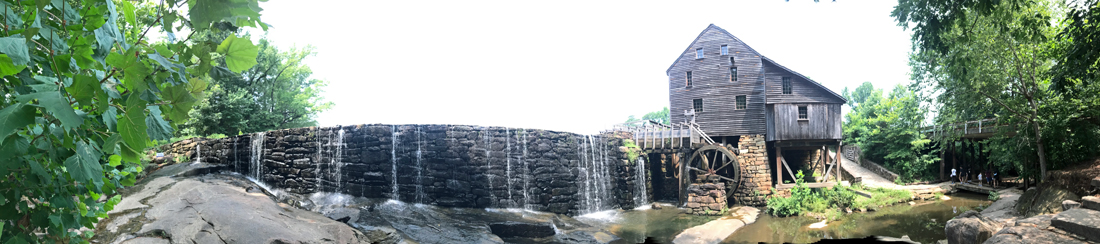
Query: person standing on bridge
[{"x": 953, "y": 176}]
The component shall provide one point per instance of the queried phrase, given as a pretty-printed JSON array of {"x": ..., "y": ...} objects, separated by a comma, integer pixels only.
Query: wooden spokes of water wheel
[{"x": 710, "y": 164}]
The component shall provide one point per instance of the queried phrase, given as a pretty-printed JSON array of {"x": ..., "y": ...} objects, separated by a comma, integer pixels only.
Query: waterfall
[
  {"x": 489, "y": 168},
  {"x": 338, "y": 160},
  {"x": 640, "y": 197},
  {"x": 597, "y": 174},
  {"x": 508, "y": 164},
  {"x": 198, "y": 153},
  {"x": 419, "y": 169},
  {"x": 320, "y": 176},
  {"x": 393, "y": 158},
  {"x": 526, "y": 173},
  {"x": 236, "y": 162},
  {"x": 257, "y": 154}
]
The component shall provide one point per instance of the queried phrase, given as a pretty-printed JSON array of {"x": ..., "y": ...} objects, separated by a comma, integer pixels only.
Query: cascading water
[
  {"x": 489, "y": 169},
  {"x": 640, "y": 197},
  {"x": 320, "y": 175},
  {"x": 198, "y": 153},
  {"x": 337, "y": 159},
  {"x": 257, "y": 156},
  {"x": 419, "y": 169},
  {"x": 508, "y": 164},
  {"x": 597, "y": 179},
  {"x": 393, "y": 158},
  {"x": 526, "y": 173},
  {"x": 236, "y": 162}
]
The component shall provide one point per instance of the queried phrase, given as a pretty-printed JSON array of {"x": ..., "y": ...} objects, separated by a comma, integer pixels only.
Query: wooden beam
[
  {"x": 838, "y": 165},
  {"x": 788, "y": 168},
  {"x": 809, "y": 185},
  {"x": 778, "y": 166}
]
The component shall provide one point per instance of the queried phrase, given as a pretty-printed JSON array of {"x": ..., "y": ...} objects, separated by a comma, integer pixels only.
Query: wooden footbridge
[{"x": 974, "y": 129}]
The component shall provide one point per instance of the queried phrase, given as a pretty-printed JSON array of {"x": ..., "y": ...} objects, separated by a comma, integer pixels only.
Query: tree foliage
[
  {"x": 659, "y": 116},
  {"x": 276, "y": 93},
  {"x": 85, "y": 92},
  {"x": 887, "y": 129},
  {"x": 1007, "y": 60}
]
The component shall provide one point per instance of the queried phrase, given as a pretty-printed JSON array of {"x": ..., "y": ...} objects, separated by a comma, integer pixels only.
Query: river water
[{"x": 923, "y": 222}]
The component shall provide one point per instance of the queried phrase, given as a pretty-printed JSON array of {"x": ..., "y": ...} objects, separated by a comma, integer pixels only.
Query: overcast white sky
[{"x": 577, "y": 66}]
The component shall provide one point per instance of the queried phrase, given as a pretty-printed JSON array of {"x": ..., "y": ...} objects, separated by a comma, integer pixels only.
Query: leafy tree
[
  {"x": 887, "y": 129},
  {"x": 660, "y": 116},
  {"x": 277, "y": 93},
  {"x": 85, "y": 92},
  {"x": 989, "y": 58}
]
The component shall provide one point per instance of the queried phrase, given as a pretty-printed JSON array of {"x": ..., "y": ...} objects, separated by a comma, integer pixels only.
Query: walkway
[{"x": 869, "y": 178}]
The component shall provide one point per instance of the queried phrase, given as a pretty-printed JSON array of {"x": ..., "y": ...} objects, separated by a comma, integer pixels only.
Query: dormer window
[
  {"x": 688, "y": 85},
  {"x": 725, "y": 50},
  {"x": 698, "y": 53},
  {"x": 786, "y": 85}
]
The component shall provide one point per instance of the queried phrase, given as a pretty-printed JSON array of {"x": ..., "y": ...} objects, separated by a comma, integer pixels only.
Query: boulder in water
[
  {"x": 969, "y": 227},
  {"x": 1045, "y": 200}
]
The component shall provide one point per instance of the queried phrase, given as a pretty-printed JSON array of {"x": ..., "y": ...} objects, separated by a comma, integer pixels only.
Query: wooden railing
[
  {"x": 974, "y": 128},
  {"x": 653, "y": 135}
]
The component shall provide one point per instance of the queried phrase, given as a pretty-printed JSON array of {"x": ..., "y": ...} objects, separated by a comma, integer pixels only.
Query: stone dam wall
[{"x": 443, "y": 165}]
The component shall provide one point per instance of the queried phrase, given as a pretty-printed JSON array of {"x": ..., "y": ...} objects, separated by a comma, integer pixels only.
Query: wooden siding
[
  {"x": 710, "y": 82},
  {"x": 802, "y": 90},
  {"x": 823, "y": 122}
]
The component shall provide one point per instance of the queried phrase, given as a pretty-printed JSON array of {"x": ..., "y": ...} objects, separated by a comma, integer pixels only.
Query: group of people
[{"x": 987, "y": 176}]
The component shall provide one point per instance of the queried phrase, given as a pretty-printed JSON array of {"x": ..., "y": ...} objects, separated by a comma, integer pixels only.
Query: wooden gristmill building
[{"x": 735, "y": 91}]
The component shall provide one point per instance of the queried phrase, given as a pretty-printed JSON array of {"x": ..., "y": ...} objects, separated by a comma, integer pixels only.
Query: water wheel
[{"x": 710, "y": 164}]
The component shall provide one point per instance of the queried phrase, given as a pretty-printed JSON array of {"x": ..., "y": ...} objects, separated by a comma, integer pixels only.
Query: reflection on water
[
  {"x": 634, "y": 226},
  {"x": 923, "y": 223}
]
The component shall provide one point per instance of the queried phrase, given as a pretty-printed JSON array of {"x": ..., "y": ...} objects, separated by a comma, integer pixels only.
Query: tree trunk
[{"x": 1042, "y": 153}]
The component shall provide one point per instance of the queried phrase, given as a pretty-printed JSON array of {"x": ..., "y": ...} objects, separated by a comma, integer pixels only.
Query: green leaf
[
  {"x": 240, "y": 13},
  {"x": 110, "y": 118},
  {"x": 133, "y": 69},
  {"x": 16, "y": 116},
  {"x": 114, "y": 160},
  {"x": 83, "y": 88},
  {"x": 240, "y": 53},
  {"x": 50, "y": 99},
  {"x": 7, "y": 67},
  {"x": 112, "y": 202},
  {"x": 38, "y": 170},
  {"x": 128, "y": 11},
  {"x": 158, "y": 129},
  {"x": 16, "y": 48},
  {"x": 84, "y": 165},
  {"x": 132, "y": 124},
  {"x": 181, "y": 102},
  {"x": 111, "y": 142}
]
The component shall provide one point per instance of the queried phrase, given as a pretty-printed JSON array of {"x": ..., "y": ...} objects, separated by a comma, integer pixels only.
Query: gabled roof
[
  {"x": 723, "y": 31},
  {"x": 765, "y": 58},
  {"x": 711, "y": 26}
]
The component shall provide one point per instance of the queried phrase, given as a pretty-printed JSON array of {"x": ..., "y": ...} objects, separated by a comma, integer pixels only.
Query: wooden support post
[
  {"x": 778, "y": 165},
  {"x": 825, "y": 163},
  {"x": 838, "y": 167}
]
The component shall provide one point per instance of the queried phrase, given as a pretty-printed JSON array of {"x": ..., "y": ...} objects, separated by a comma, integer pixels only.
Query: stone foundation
[
  {"x": 707, "y": 199},
  {"x": 443, "y": 165},
  {"x": 756, "y": 180}
]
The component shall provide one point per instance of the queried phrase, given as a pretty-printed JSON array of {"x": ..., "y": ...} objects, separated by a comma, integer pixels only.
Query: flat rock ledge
[
  {"x": 717, "y": 230},
  {"x": 1079, "y": 224},
  {"x": 219, "y": 209}
]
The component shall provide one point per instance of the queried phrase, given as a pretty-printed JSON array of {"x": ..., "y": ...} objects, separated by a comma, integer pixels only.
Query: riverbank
[{"x": 1046, "y": 214}]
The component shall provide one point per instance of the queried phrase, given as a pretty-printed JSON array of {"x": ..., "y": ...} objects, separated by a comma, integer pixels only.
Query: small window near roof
[
  {"x": 725, "y": 50},
  {"x": 786, "y": 85},
  {"x": 733, "y": 73},
  {"x": 741, "y": 103},
  {"x": 697, "y": 104},
  {"x": 802, "y": 113},
  {"x": 688, "y": 79},
  {"x": 698, "y": 53},
  {"x": 732, "y": 62}
]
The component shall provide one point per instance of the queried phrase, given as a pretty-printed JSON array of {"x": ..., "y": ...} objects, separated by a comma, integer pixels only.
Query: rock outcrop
[
  {"x": 969, "y": 227},
  {"x": 1079, "y": 223},
  {"x": 218, "y": 209},
  {"x": 1045, "y": 200}
]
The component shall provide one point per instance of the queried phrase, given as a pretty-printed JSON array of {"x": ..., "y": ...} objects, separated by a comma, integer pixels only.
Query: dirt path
[{"x": 869, "y": 178}]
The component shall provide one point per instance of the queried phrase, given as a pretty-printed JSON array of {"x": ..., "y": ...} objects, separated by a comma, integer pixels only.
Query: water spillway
[
  {"x": 445, "y": 165},
  {"x": 442, "y": 165}
]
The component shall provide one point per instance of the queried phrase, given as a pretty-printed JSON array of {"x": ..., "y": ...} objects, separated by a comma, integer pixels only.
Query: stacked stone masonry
[
  {"x": 852, "y": 152},
  {"x": 706, "y": 199},
  {"x": 443, "y": 165},
  {"x": 756, "y": 180}
]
